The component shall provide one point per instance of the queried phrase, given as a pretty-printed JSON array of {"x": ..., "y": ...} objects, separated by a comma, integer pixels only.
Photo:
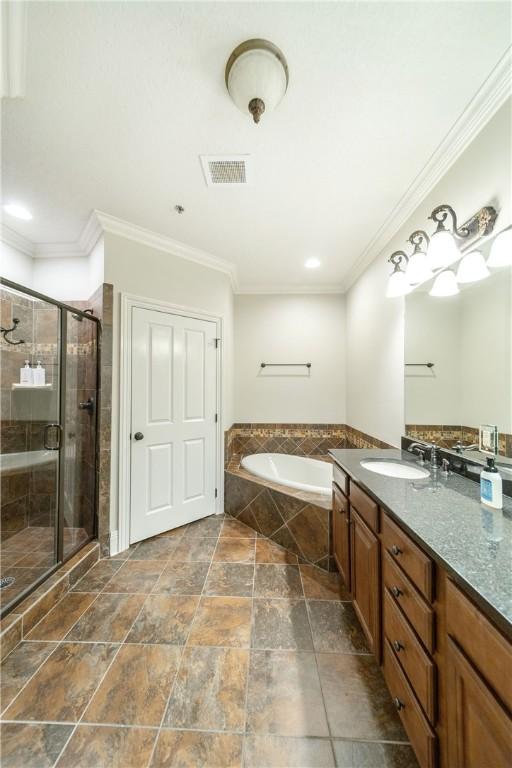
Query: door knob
[{"x": 139, "y": 436}]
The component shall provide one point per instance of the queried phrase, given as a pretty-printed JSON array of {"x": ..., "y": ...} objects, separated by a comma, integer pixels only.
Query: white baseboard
[{"x": 114, "y": 546}]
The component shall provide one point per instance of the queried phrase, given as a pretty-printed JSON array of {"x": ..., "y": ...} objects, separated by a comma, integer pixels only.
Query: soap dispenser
[
  {"x": 491, "y": 486},
  {"x": 26, "y": 374},
  {"x": 39, "y": 374}
]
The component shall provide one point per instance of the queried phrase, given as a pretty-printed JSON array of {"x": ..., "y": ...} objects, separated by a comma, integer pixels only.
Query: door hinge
[
  {"x": 216, "y": 493},
  {"x": 216, "y": 417},
  {"x": 217, "y": 342}
]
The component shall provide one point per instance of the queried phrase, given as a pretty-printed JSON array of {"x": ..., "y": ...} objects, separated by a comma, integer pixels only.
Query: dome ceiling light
[{"x": 256, "y": 77}]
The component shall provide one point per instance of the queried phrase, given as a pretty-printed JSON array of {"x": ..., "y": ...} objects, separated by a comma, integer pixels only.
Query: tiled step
[{"x": 27, "y": 614}]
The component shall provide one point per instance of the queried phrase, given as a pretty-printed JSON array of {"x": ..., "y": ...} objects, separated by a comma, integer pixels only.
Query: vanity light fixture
[
  {"x": 472, "y": 268},
  {"x": 398, "y": 285},
  {"x": 443, "y": 249},
  {"x": 501, "y": 250},
  {"x": 445, "y": 284},
  {"x": 256, "y": 77},
  {"x": 18, "y": 211},
  {"x": 418, "y": 269},
  {"x": 312, "y": 263}
]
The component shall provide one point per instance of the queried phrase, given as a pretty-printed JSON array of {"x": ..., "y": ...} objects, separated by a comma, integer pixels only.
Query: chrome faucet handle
[
  {"x": 434, "y": 456},
  {"x": 421, "y": 455},
  {"x": 445, "y": 468}
]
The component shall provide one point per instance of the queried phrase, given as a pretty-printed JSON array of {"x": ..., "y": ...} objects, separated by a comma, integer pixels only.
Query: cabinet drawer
[
  {"x": 408, "y": 556},
  {"x": 365, "y": 506},
  {"x": 489, "y": 651},
  {"x": 414, "y": 721},
  {"x": 417, "y": 666},
  {"x": 340, "y": 478},
  {"x": 419, "y": 614}
]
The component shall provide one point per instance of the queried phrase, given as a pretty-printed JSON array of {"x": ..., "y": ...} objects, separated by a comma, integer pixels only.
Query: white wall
[
  {"x": 374, "y": 324},
  {"x": 149, "y": 273},
  {"x": 15, "y": 265},
  {"x": 296, "y": 329}
]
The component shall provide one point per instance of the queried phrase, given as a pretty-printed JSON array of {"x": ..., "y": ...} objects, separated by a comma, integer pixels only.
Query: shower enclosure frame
[{"x": 63, "y": 327}]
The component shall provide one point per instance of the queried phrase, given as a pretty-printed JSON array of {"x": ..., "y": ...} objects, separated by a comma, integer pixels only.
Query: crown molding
[
  {"x": 17, "y": 241},
  {"x": 275, "y": 289},
  {"x": 89, "y": 236},
  {"x": 483, "y": 106},
  {"x": 125, "y": 229}
]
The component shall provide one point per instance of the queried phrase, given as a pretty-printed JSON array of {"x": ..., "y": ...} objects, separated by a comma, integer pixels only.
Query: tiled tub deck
[{"x": 208, "y": 646}]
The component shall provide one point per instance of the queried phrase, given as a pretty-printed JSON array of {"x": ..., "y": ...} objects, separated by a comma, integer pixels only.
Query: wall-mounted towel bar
[
  {"x": 279, "y": 365},
  {"x": 421, "y": 365}
]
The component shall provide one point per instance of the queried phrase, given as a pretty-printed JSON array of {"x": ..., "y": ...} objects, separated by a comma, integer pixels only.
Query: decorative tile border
[{"x": 447, "y": 435}]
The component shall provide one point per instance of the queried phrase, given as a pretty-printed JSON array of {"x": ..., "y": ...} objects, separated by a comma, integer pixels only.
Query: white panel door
[{"x": 173, "y": 423}]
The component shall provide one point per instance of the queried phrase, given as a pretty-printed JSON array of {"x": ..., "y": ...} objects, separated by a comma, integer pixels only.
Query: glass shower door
[{"x": 30, "y": 439}]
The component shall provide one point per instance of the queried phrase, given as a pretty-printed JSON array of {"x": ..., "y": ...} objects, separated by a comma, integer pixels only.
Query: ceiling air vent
[{"x": 227, "y": 170}]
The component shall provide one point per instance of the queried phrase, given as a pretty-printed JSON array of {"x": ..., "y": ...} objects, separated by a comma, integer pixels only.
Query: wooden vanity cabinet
[
  {"x": 365, "y": 579},
  {"x": 341, "y": 534}
]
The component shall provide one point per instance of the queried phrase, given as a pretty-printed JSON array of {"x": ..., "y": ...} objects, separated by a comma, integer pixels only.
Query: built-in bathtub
[
  {"x": 26, "y": 460},
  {"x": 286, "y": 498}
]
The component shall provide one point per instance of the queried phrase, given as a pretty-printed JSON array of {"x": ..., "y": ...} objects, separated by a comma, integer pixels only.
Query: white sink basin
[{"x": 399, "y": 469}]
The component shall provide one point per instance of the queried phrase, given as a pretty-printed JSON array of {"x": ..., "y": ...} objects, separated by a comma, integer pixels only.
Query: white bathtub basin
[
  {"x": 26, "y": 460},
  {"x": 294, "y": 471},
  {"x": 400, "y": 469}
]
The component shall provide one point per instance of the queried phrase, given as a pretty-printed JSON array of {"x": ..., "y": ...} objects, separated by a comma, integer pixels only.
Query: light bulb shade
[
  {"x": 501, "y": 250},
  {"x": 445, "y": 284},
  {"x": 472, "y": 267},
  {"x": 417, "y": 269},
  {"x": 398, "y": 285},
  {"x": 256, "y": 70},
  {"x": 442, "y": 250}
]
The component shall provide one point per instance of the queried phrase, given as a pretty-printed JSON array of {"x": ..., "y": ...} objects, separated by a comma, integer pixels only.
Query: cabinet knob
[
  {"x": 399, "y": 704},
  {"x": 397, "y": 645},
  {"x": 396, "y": 550},
  {"x": 396, "y": 591}
]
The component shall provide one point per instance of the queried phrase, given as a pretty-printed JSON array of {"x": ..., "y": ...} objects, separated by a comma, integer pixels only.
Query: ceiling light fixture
[
  {"x": 398, "y": 285},
  {"x": 472, "y": 267},
  {"x": 501, "y": 250},
  {"x": 418, "y": 269},
  {"x": 256, "y": 77},
  {"x": 445, "y": 284},
  {"x": 312, "y": 263},
  {"x": 18, "y": 211}
]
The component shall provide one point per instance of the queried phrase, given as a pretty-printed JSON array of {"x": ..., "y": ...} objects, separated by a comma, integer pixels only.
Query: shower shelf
[{"x": 33, "y": 387}]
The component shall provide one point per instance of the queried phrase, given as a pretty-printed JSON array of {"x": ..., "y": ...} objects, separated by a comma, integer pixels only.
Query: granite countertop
[{"x": 446, "y": 518}]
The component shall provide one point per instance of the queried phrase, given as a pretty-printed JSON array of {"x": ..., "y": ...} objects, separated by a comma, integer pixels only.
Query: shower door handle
[{"x": 52, "y": 437}]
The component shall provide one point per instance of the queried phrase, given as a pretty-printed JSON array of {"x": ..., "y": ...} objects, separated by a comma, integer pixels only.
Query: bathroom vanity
[{"x": 429, "y": 572}]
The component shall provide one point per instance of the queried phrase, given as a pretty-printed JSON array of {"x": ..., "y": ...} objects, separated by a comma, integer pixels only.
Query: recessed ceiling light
[
  {"x": 18, "y": 211},
  {"x": 312, "y": 263}
]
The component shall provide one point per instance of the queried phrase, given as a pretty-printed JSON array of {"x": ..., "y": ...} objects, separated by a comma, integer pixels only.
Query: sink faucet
[
  {"x": 420, "y": 449},
  {"x": 460, "y": 447}
]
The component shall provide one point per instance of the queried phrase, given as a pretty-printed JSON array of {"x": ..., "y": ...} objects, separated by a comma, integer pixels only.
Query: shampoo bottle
[
  {"x": 39, "y": 375},
  {"x": 26, "y": 374},
  {"x": 491, "y": 492}
]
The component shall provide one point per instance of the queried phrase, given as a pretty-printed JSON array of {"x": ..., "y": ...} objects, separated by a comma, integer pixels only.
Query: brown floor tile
[
  {"x": 268, "y": 552},
  {"x": 32, "y": 746},
  {"x": 197, "y": 749},
  {"x": 277, "y": 581},
  {"x": 24, "y": 578},
  {"x": 99, "y": 575},
  {"x": 335, "y": 627},
  {"x": 182, "y": 579},
  {"x": 209, "y": 692},
  {"x": 108, "y": 619},
  {"x": 321, "y": 585},
  {"x": 194, "y": 550},
  {"x": 176, "y": 533},
  {"x": 230, "y": 579},
  {"x": 285, "y": 698},
  {"x": 207, "y": 526},
  {"x": 134, "y": 577},
  {"x": 281, "y": 625},
  {"x": 234, "y": 551},
  {"x": 164, "y": 619},
  {"x": 36, "y": 560},
  {"x": 61, "y": 689},
  {"x": 93, "y": 746},
  {"x": 222, "y": 621},
  {"x": 235, "y": 529},
  {"x": 358, "y": 703},
  {"x": 360, "y": 754},
  {"x": 59, "y": 621},
  {"x": 135, "y": 689},
  {"x": 155, "y": 549},
  {"x": 19, "y": 667},
  {"x": 282, "y": 752}
]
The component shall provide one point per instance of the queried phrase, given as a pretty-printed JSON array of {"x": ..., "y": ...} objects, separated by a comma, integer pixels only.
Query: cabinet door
[
  {"x": 341, "y": 534},
  {"x": 366, "y": 587},
  {"x": 479, "y": 730}
]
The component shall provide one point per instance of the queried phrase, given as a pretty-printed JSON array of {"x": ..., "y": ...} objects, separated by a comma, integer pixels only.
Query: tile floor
[{"x": 206, "y": 646}]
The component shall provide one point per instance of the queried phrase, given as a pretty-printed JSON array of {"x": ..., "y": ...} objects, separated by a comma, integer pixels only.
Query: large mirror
[{"x": 458, "y": 356}]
